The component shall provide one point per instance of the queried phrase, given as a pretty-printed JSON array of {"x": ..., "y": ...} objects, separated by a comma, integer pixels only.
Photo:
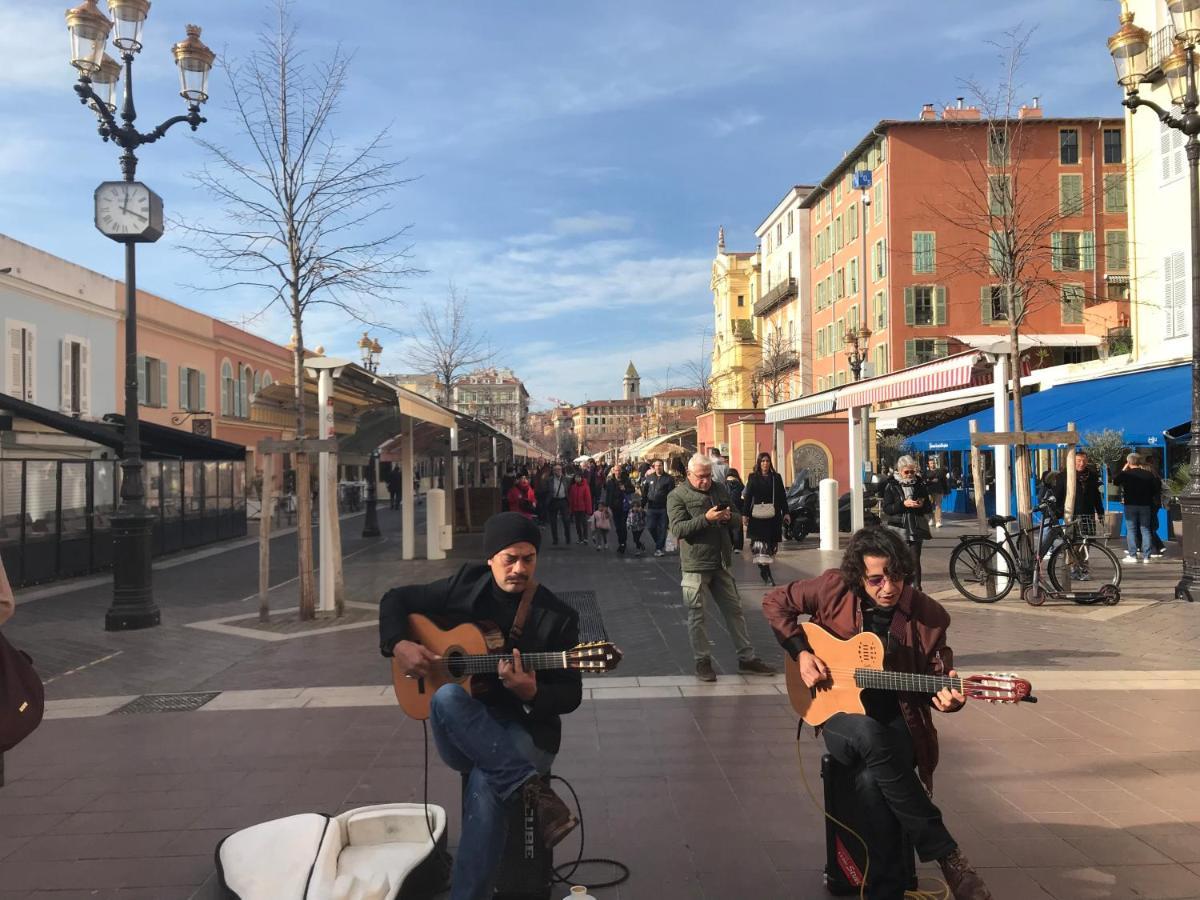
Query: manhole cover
[
  {"x": 158, "y": 703},
  {"x": 591, "y": 622}
]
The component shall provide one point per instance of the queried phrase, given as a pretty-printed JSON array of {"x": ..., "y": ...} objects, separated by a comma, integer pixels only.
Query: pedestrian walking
[
  {"x": 698, "y": 512},
  {"x": 720, "y": 468},
  {"x": 636, "y": 523},
  {"x": 766, "y": 500},
  {"x": 937, "y": 487},
  {"x": 737, "y": 532},
  {"x": 395, "y": 486},
  {"x": 557, "y": 506},
  {"x": 521, "y": 498},
  {"x": 656, "y": 487},
  {"x": 906, "y": 504},
  {"x": 617, "y": 491},
  {"x": 1139, "y": 487},
  {"x": 1157, "y": 549},
  {"x": 601, "y": 526},
  {"x": 579, "y": 500}
]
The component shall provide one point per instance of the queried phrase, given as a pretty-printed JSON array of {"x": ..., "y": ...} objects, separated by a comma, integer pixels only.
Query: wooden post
[
  {"x": 1024, "y": 499},
  {"x": 977, "y": 481},
  {"x": 335, "y": 536},
  {"x": 304, "y": 537},
  {"x": 264, "y": 537},
  {"x": 1069, "y": 500}
]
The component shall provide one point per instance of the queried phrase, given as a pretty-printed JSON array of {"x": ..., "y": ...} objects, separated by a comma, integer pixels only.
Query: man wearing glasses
[{"x": 872, "y": 591}]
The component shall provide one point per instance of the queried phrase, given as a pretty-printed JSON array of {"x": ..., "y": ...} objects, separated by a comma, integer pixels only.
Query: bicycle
[{"x": 985, "y": 570}]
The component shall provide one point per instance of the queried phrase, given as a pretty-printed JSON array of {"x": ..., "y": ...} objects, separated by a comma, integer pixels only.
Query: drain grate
[
  {"x": 160, "y": 703},
  {"x": 591, "y": 621}
]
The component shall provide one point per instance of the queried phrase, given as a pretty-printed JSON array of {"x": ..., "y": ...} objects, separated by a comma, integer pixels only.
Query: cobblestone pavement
[{"x": 1093, "y": 793}]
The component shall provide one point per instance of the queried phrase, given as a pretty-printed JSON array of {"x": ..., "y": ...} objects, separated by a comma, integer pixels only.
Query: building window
[
  {"x": 1072, "y": 304},
  {"x": 877, "y": 203},
  {"x": 1073, "y": 251},
  {"x": 1175, "y": 295},
  {"x": 778, "y": 233},
  {"x": 20, "y": 371},
  {"x": 878, "y": 260},
  {"x": 152, "y": 382},
  {"x": 998, "y": 147},
  {"x": 852, "y": 221},
  {"x": 1117, "y": 291},
  {"x": 925, "y": 304},
  {"x": 840, "y": 282},
  {"x": 993, "y": 303},
  {"x": 741, "y": 299},
  {"x": 1068, "y": 146},
  {"x": 1114, "y": 146},
  {"x": 881, "y": 360},
  {"x": 999, "y": 195},
  {"x": 1114, "y": 193},
  {"x": 192, "y": 389},
  {"x": 228, "y": 390},
  {"x": 923, "y": 252},
  {"x": 75, "y": 381},
  {"x": 1171, "y": 152},
  {"x": 923, "y": 350},
  {"x": 1072, "y": 355},
  {"x": 880, "y": 310},
  {"x": 1116, "y": 250},
  {"x": 820, "y": 342},
  {"x": 1070, "y": 195},
  {"x": 790, "y": 223},
  {"x": 853, "y": 277},
  {"x": 997, "y": 253},
  {"x": 839, "y": 234}
]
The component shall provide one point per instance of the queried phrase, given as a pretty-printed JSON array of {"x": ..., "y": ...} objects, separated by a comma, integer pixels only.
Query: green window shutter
[
  {"x": 931, "y": 251},
  {"x": 939, "y": 305},
  {"x": 1070, "y": 195},
  {"x": 996, "y": 253},
  {"x": 1016, "y": 303},
  {"x": 1056, "y": 254},
  {"x": 141, "y": 380},
  {"x": 1072, "y": 304},
  {"x": 909, "y": 302},
  {"x": 203, "y": 393},
  {"x": 183, "y": 391},
  {"x": 1116, "y": 252},
  {"x": 941, "y": 348},
  {"x": 1114, "y": 193},
  {"x": 1088, "y": 251},
  {"x": 162, "y": 384},
  {"x": 985, "y": 304},
  {"x": 910, "y": 353}
]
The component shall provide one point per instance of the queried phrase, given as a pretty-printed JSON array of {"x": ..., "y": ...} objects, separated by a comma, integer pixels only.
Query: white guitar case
[{"x": 369, "y": 853}]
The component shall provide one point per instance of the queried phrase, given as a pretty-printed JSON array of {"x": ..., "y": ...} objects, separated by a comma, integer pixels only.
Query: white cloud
[
  {"x": 723, "y": 126},
  {"x": 592, "y": 223}
]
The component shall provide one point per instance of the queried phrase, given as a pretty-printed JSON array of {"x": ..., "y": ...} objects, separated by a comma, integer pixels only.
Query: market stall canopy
[{"x": 667, "y": 444}]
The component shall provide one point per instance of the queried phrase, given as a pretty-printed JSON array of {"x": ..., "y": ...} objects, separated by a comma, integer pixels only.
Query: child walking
[
  {"x": 637, "y": 524},
  {"x": 601, "y": 523}
]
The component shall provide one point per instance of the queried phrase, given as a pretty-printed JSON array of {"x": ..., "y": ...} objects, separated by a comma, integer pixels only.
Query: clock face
[{"x": 128, "y": 211}]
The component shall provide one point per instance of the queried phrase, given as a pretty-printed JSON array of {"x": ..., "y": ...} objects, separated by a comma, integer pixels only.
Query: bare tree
[
  {"x": 447, "y": 344},
  {"x": 698, "y": 373},
  {"x": 774, "y": 371},
  {"x": 300, "y": 207}
]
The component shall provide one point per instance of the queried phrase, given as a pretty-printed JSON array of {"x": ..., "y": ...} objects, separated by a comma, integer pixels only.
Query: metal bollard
[
  {"x": 827, "y": 492},
  {"x": 435, "y": 511}
]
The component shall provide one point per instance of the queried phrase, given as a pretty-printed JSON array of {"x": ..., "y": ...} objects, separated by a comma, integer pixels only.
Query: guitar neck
[
  {"x": 905, "y": 681},
  {"x": 485, "y": 663}
]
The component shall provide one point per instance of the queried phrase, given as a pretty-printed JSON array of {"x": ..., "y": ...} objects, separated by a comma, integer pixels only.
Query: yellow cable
[{"x": 936, "y": 893}]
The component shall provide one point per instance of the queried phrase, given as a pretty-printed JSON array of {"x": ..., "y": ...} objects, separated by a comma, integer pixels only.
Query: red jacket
[
  {"x": 919, "y": 626},
  {"x": 579, "y": 497},
  {"x": 517, "y": 494}
]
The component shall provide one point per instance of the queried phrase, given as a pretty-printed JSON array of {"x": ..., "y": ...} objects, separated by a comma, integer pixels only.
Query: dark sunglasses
[{"x": 878, "y": 580}]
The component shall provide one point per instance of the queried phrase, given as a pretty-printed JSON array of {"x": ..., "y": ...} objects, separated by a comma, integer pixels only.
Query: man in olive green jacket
[{"x": 698, "y": 513}]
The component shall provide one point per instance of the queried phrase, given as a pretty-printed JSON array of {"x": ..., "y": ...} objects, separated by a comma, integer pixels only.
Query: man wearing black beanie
[{"x": 504, "y": 740}]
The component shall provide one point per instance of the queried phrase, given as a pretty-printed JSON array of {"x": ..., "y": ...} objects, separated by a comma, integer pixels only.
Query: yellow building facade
[{"x": 736, "y": 353}]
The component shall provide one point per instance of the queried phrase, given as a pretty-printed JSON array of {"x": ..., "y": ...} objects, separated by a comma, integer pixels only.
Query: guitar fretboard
[
  {"x": 905, "y": 681},
  {"x": 486, "y": 663}
]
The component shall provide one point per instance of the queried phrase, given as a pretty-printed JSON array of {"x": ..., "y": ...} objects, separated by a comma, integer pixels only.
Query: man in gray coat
[{"x": 698, "y": 513}]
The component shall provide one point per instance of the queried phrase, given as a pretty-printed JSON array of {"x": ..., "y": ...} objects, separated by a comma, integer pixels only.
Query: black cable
[{"x": 579, "y": 859}]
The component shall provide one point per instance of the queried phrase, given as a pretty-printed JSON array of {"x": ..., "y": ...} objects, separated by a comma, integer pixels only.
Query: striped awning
[
  {"x": 929, "y": 378},
  {"x": 802, "y": 407}
]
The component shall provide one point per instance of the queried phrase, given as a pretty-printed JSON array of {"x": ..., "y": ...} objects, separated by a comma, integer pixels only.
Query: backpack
[{"x": 22, "y": 697}]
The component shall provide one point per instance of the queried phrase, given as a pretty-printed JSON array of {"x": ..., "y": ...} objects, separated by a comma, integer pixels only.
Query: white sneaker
[
  {"x": 659, "y": 553},
  {"x": 1145, "y": 559},
  {"x": 1129, "y": 558}
]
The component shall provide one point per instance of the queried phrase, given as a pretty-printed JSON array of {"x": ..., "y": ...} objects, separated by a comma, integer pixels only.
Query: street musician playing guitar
[
  {"x": 505, "y": 738},
  {"x": 872, "y": 592}
]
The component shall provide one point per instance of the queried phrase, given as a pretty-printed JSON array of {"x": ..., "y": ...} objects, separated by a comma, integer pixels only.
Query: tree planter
[{"x": 1112, "y": 523}]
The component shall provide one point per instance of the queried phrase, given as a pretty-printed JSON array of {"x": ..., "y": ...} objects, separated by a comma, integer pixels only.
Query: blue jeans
[
  {"x": 656, "y": 524},
  {"x": 497, "y": 757},
  {"x": 1138, "y": 519}
]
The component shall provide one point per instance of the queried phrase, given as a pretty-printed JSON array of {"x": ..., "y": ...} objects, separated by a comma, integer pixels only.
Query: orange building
[{"x": 905, "y": 259}]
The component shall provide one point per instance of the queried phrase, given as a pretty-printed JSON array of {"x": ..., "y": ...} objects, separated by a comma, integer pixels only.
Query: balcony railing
[
  {"x": 782, "y": 291},
  {"x": 1161, "y": 44}
]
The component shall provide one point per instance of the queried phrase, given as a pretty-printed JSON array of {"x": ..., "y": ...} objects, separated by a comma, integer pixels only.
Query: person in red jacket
[
  {"x": 521, "y": 498},
  {"x": 579, "y": 501}
]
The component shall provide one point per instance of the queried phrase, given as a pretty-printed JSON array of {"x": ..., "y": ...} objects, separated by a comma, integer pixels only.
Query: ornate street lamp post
[
  {"x": 856, "y": 348},
  {"x": 128, "y": 212},
  {"x": 371, "y": 350},
  {"x": 1129, "y": 47}
]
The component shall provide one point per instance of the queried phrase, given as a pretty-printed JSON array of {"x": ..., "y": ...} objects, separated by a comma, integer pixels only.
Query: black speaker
[
  {"x": 845, "y": 858},
  {"x": 527, "y": 867}
]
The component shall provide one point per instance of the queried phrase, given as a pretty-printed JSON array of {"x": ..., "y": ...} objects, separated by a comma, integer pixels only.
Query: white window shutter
[
  {"x": 15, "y": 369},
  {"x": 183, "y": 388},
  {"x": 162, "y": 384},
  {"x": 64, "y": 378},
  {"x": 142, "y": 390},
  {"x": 30, "y": 368},
  {"x": 1179, "y": 291},
  {"x": 203, "y": 392},
  {"x": 85, "y": 374}
]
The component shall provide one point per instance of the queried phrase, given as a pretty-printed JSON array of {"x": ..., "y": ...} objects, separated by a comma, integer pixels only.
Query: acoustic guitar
[
  {"x": 470, "y": 650},
  {"x": 858, "y": 663}
]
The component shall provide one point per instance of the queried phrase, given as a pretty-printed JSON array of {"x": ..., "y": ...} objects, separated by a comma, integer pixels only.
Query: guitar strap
[{"x": 518, "y": 625}]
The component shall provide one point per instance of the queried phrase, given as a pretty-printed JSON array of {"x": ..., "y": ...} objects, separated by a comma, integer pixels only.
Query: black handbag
[{"x": 22, "y": 696}]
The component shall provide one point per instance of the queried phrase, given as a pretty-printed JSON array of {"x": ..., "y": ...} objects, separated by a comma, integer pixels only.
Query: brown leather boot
[
  {"x": 555, "y": 818},
  {"x": 963, "y": 880}
]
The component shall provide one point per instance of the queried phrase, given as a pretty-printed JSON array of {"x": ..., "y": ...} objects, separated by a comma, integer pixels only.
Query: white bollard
[
  {"x": 447, "y": 537},
  {"x": 827, "y": 492},
  {"x": 435, "y": 511}
]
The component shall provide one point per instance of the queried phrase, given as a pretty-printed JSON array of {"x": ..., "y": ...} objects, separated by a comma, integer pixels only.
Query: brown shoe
[
  {"x": 555, "y": 818},
  {"x": 755, "y": 666},
  {"x": 964, "y": 881},
  {"x": 704, "y": 670}
]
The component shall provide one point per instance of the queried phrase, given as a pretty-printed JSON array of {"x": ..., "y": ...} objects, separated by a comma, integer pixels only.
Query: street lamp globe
[
  {"x": 195, "y": 61},
  {"x": 1185, "y": 16},
  {"x": 106, "y": 77},
  {"x": 89, "y": 30},
  {"x": 1129, "y": 48},
  {"x": 128, "y": 18},
  {"x": 1175, "y": 70}
]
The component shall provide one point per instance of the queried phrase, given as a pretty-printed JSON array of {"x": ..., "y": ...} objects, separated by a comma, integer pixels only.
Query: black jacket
[
  {"x": 615, "y": 491},
  {"x": 765, "y": 489},
  {"x": 910, "y": 519},
  {"x": 552, "y": 625},
  {"x": 655, "y": 489},
  {"x": 1087, "y": 493},
  {"x": 1140, "y": 486}
]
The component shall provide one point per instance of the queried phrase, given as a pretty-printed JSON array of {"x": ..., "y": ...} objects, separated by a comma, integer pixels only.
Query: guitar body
[
  {"x": 838, "y": 693},
  {"x": 468, "y": 639}
]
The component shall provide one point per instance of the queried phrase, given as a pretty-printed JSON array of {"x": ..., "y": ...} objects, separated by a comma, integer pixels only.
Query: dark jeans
[
  {"x": 737, "y": 534},
  {"x": 915, "y": 549},
  {"x": 890, "y": 796},
  {"x": 559, "y": 511},
  {"x": 394, "y": 498},
  {"x": 1138, "y": 524},
  {"x": 656, "y": 524},
  {"x": 637, "y": 538},
  {"x": 620, "y": 518},
  {"x": 581, "y": 526},
  {"x": 497, "y": 757}
]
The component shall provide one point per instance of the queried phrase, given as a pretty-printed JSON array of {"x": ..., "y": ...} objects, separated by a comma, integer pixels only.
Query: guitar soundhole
[{"x": 455, "y": 664}]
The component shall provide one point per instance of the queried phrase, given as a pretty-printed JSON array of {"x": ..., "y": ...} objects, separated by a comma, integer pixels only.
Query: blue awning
[{"x": 1143, "y": 405}]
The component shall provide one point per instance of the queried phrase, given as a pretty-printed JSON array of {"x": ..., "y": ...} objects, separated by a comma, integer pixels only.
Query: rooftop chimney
[
  {"x": 960, "y": 112},
  {"x": 928, "y": 113},
  {"x": 960, "y": 102}
]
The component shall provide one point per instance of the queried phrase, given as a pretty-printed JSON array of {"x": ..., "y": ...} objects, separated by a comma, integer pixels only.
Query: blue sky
[{"x": 572, "y": 160}]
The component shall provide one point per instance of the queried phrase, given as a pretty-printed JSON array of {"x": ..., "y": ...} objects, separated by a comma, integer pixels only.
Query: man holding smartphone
[{"x": 698, "y": 515}]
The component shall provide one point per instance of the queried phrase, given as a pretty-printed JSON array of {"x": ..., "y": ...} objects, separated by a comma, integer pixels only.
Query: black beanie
[{"x": 508, "y": 528}]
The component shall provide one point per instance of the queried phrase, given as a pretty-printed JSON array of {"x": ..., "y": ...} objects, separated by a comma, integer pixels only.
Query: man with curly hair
[{"x": 873, "y": 591}]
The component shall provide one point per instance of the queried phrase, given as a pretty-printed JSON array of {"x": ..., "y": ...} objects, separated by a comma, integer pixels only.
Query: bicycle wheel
[
  {"x": 982, "y": 570},
  {"x": 1083, "y": 566}
]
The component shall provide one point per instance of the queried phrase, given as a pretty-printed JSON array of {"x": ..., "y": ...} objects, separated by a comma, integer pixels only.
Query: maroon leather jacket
[{"x": 919, "y": 627}]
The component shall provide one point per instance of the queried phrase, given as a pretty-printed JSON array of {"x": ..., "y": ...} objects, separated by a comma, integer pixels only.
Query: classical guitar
[
  {"x": 475, "y": 649},
  {"x": 858, "y": 663}
]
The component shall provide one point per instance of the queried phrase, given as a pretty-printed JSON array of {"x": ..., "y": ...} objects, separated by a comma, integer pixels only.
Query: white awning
[
  {"x": 928, "y": 378},
  {"x": 802, "y": 407},
  {"x": 890, "y": 418}
]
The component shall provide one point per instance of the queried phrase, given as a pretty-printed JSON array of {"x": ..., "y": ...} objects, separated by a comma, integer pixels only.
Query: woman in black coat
[
  {"x": 617, "y": 488},
  {"x": 764, "y": 486},
  {"x": 906, "y": 503},
  {"x": 737, "y": 533}
]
